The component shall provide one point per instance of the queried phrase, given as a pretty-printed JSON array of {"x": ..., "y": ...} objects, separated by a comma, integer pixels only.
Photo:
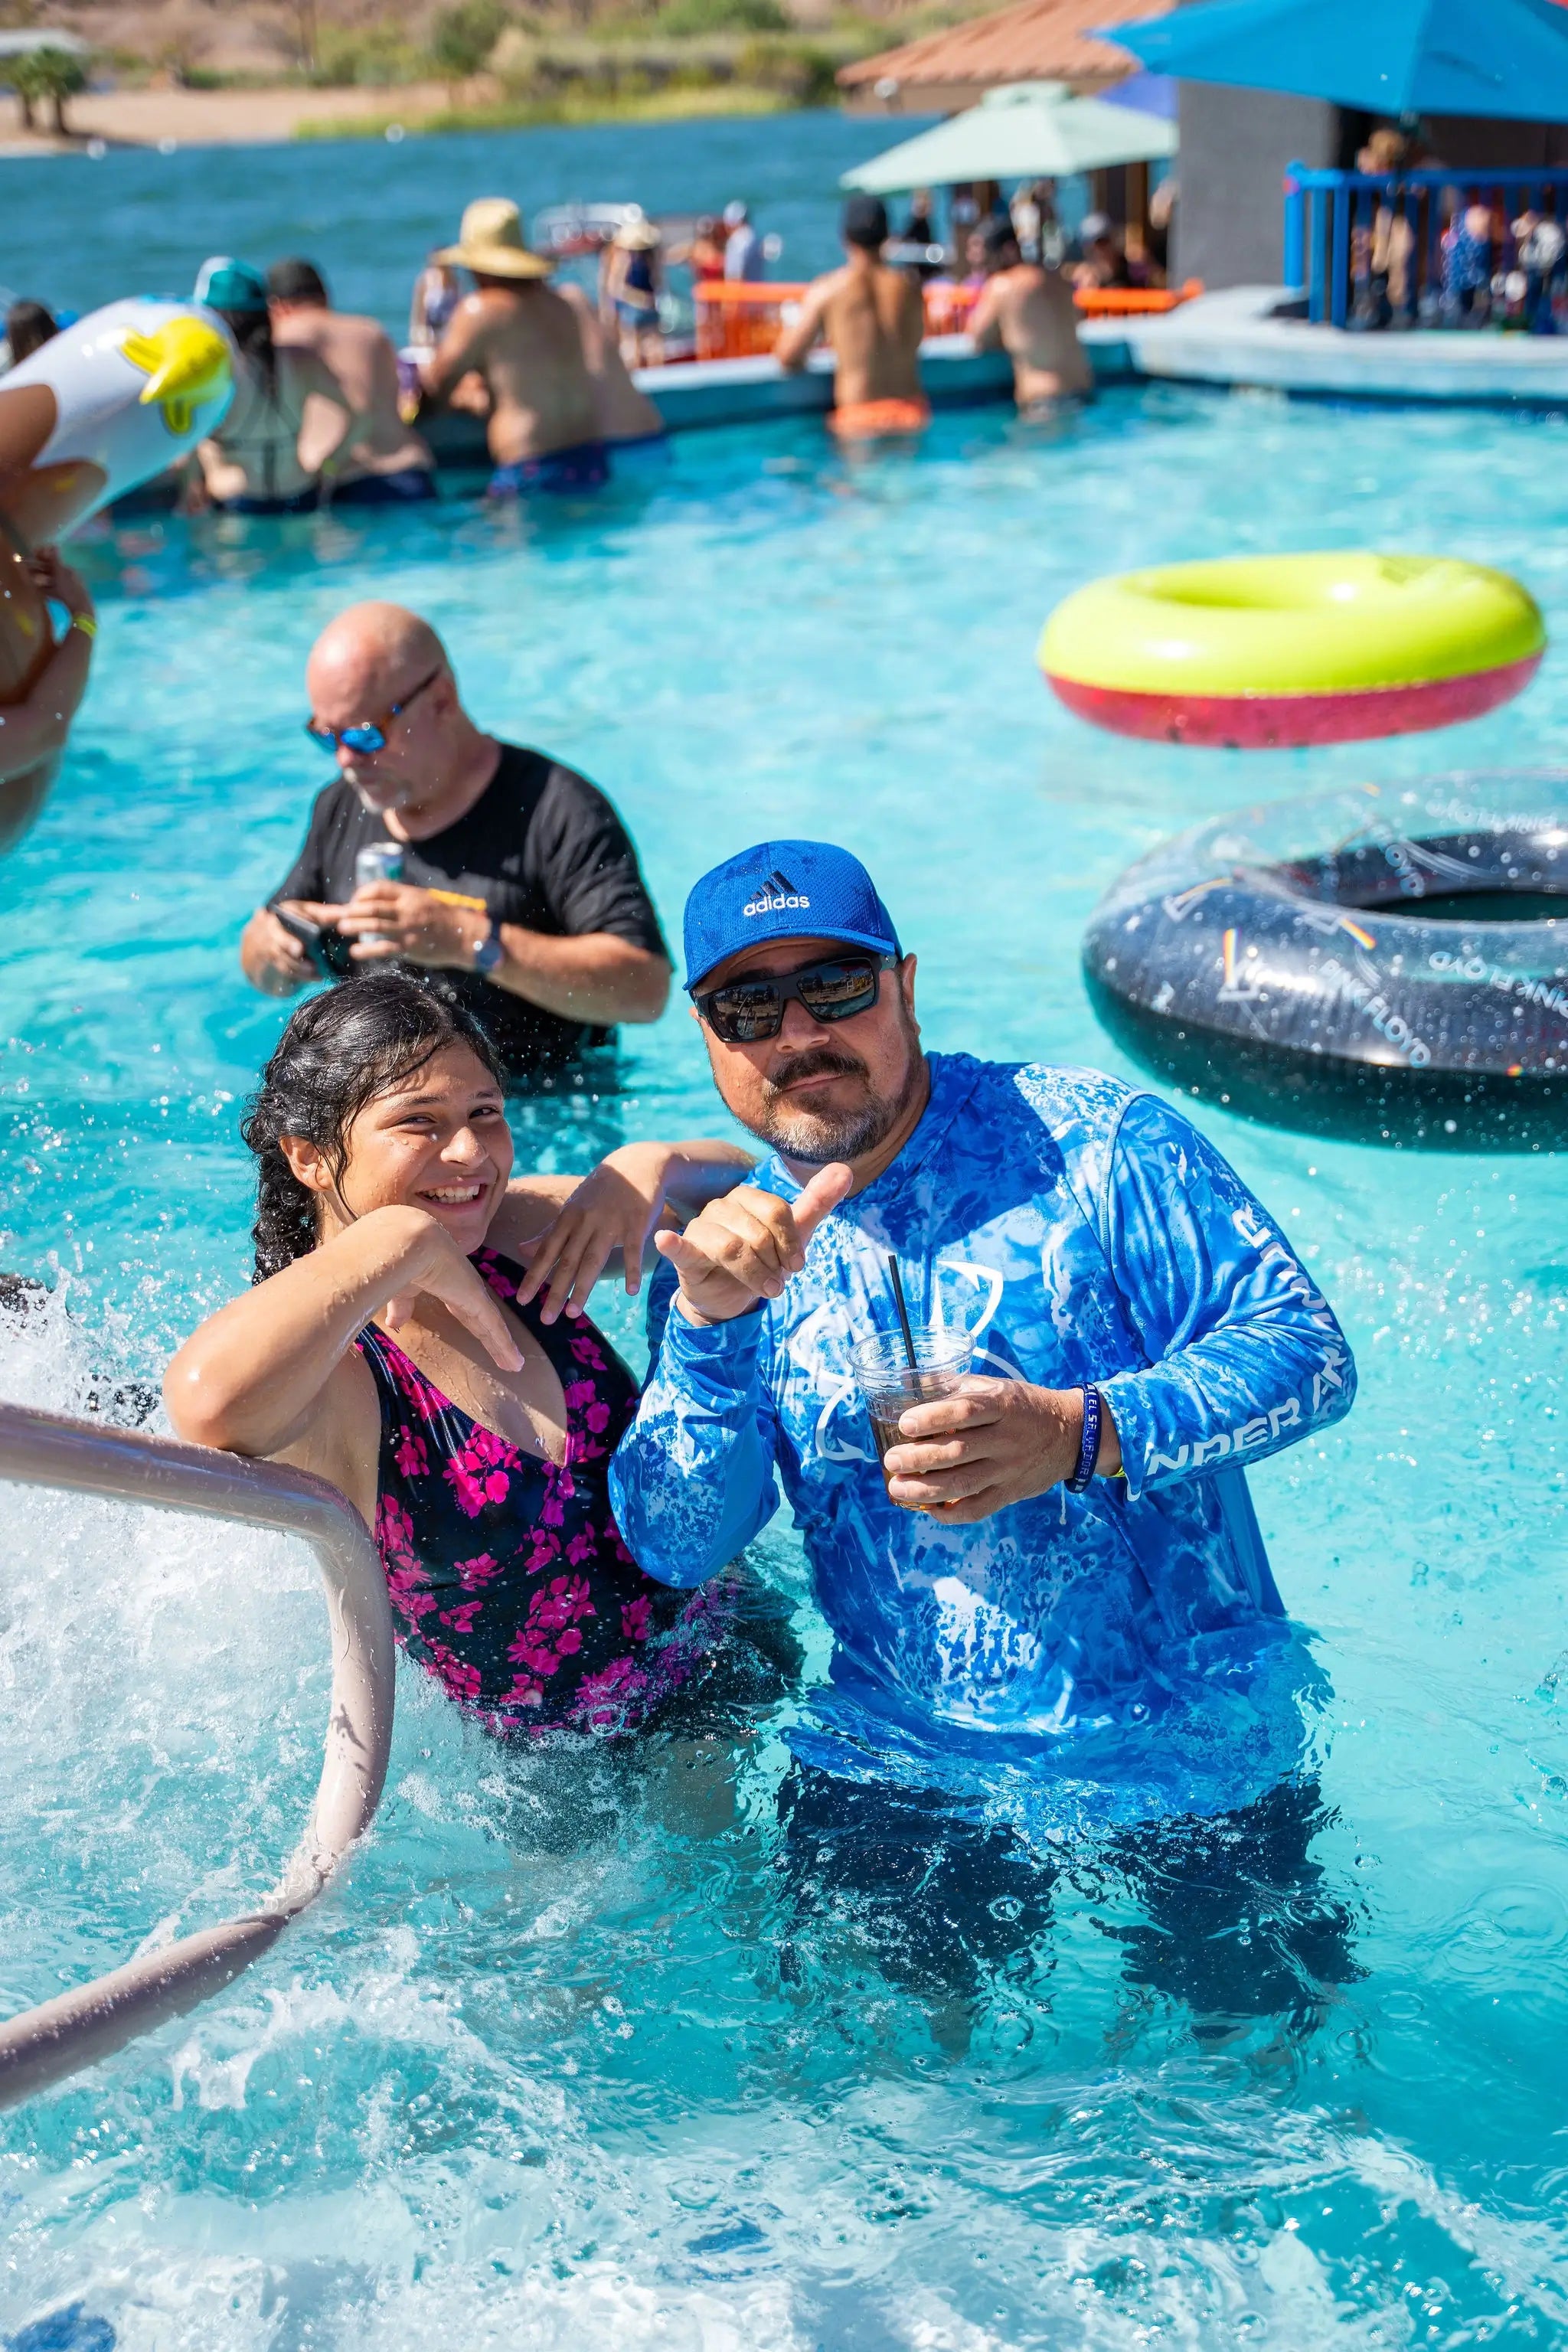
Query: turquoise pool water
[{"x": 564, "y": 2061}]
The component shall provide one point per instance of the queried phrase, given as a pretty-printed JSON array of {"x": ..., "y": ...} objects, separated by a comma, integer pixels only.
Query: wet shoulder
[{"x": 1081, "y": 1110}]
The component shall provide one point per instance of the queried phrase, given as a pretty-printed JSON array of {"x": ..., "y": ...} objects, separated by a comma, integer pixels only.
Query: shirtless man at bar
[
  {"x": 1028, "y": 312},
  {"x": 387, "y": 464},
  {"x": 545, "y": 428},
  {"x": 872, "y": 319}
]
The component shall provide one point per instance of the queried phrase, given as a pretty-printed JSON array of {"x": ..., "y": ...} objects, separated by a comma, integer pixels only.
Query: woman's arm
[
  {"x": 250, "y": 1379},
  {"x": 37, "y": 727},
  {"x": 608, "y": 1221}
]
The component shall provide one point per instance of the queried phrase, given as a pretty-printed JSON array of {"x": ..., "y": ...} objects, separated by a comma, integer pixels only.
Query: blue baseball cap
[
  {"x": 228, "y": 285},
  {"x": 782, "y": 890}
]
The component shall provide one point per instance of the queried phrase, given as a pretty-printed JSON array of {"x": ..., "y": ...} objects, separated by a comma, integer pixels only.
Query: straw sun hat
[
  {"x": 636, "y": 234},
  {"x": 491, "y": 242}
]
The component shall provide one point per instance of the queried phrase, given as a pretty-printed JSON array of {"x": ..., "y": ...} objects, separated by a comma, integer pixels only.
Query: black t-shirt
[{"x": 541, "y": 847}]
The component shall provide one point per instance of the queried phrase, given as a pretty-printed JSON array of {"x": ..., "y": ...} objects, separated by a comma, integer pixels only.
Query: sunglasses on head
[
  {"x": 367, "y": 737},
  {"x": 748, "y": 1012}
]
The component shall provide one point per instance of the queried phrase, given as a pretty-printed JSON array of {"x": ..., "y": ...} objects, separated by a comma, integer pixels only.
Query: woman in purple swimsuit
[{"x": 415, "y": 1335}]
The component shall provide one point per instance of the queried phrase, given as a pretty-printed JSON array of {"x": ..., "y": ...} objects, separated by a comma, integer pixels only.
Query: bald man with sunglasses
[{"x": 520, "y": 892}]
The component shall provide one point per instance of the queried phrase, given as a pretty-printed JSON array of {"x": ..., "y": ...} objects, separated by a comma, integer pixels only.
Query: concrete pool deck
[{"x": 1232, "y": 337}]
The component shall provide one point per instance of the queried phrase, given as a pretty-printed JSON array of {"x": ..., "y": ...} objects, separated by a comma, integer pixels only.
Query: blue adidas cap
[{"x": 782, "y": 890}]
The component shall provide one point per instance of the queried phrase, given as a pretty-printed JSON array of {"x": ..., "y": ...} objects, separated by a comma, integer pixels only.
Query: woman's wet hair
[
  {"x": 340, "y": 1052},
  {"x": 252, "y": 331}
]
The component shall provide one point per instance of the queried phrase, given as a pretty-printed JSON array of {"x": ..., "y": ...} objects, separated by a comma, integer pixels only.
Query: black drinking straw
[{"x": 898, "y": 1282}]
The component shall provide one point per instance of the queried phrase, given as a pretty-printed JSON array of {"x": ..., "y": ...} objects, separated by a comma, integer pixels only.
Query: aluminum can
[{"x": 378, "y": 861}]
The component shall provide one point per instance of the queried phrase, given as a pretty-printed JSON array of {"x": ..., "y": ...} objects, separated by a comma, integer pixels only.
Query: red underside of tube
[{"x": 1264, "y": 722}]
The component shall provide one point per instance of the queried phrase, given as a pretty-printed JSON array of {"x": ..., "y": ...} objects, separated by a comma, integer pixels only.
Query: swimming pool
[{"x": 565, "y": 2060}]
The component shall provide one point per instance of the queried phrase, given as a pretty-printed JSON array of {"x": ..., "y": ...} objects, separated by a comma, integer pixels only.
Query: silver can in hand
[{"x": 378, "y": 861}]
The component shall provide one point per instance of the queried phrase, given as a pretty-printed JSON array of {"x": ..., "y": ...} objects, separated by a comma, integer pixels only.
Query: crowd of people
[
  {"x": 1491, "y": 267},
  {"x": 326, "y": 410},
  {"x": 1055, "y": 1541}
]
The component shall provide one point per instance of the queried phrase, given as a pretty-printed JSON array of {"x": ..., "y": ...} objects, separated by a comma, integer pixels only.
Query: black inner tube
[
  {"x": 1476, "y": 906},
  {"x": 1408, "y": 1030}
]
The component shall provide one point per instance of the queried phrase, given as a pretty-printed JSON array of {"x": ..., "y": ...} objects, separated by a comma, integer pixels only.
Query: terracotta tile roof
[{"x": 1034, "y": 40}]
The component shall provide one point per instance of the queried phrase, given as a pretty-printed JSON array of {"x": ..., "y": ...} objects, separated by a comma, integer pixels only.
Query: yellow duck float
[{"x": 104, "y": 406}]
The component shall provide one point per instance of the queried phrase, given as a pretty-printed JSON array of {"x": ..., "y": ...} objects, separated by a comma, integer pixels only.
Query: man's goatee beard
[{"x": 822, "y": 1136}]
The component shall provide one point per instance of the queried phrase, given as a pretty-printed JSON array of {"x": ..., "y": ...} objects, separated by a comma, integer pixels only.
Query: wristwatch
[{"x": 490, "y": 954}]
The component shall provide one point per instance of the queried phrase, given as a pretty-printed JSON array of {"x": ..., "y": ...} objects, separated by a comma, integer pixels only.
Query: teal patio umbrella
[
  {"x": 1391, "y": 56},
  {"x": 1026, "y": 130}
]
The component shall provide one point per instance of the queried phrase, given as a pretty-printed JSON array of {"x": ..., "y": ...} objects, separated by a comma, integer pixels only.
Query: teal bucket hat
[{"x": 227, "y": 284}]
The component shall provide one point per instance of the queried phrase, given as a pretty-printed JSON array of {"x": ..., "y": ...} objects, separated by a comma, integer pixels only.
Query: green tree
[
  {"x": 47, "y": 76},
  {"x": 462, "y": 36},
  {"x": 699, "y": 16}
]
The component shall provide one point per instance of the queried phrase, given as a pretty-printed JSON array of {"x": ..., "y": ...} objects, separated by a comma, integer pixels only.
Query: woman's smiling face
[{"x": 438, "y": 1140}]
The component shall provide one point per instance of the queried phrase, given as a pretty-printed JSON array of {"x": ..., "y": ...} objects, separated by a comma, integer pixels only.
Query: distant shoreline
[{"x": 160, "y": 119}]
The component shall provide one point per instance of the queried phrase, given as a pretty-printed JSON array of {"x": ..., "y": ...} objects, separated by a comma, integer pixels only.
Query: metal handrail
[{"x": 44, "y": 2045}]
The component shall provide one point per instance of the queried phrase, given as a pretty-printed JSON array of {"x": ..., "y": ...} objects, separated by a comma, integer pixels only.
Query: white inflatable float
[{"x": 102, "y": 406}]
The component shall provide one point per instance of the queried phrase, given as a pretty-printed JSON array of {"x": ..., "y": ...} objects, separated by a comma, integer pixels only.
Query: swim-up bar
[{"x": 60, "y": 2036}]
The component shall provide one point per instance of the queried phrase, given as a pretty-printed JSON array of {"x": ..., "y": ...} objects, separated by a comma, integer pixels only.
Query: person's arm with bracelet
[
  {"x": 37, "y": 727},
  {"x": 1243, "y": 1354}
]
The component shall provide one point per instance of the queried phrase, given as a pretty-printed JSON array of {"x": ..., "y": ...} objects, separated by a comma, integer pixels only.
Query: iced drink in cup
[{"x": 891, "y": 1384}]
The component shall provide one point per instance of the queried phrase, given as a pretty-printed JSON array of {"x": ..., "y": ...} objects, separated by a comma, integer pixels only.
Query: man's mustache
[{"x": 821, "y": 1062}]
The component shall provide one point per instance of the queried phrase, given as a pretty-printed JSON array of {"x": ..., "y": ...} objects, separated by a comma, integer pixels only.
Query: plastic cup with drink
[{"x": 895, "y": 1370}]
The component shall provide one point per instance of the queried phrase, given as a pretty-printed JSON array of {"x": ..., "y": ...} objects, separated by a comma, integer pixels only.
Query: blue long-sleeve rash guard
[{"x": 1085, "y": 1233}]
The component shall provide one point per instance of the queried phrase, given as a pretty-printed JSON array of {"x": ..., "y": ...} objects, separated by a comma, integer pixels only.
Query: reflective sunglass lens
[
  {"x": 837, "y": 990},
  {"x": 744, "y": 1017}
]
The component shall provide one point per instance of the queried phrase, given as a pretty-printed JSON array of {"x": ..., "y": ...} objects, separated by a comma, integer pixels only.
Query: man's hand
[
  {"x": 271, "y": 958},
  {"x": 744, "y": 1248},
  {"x": 417, "y": 925},
  {"x": 992, "y": 1443}
]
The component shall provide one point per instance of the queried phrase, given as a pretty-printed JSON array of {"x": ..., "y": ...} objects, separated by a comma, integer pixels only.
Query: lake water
[{"x": 578, "y": 2054}]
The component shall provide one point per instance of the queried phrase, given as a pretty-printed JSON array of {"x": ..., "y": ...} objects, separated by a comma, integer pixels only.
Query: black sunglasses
[{"x": 748, "y": 1012}]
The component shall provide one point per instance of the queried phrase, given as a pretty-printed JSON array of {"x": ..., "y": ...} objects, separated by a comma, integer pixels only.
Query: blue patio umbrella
[{"x": 1391, "y": 56}]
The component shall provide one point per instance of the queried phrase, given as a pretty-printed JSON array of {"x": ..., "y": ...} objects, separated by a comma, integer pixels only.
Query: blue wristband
[{"x": 1088, "y": 1445}]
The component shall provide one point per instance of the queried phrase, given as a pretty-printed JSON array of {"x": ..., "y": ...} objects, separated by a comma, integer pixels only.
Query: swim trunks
[
  {"x": 304, "y": 502},
  {"x": 585, "y": 466},
  {"x": 509, "y": 1580},
  {"x": 878, "y": 420},
  {"x": 643, "y": 449},
  {"x": 407, "y": 486}
]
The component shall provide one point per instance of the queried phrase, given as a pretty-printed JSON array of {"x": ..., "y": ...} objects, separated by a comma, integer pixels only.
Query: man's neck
[
  {"x": 871, "y": 1164},
  {"x": 469, "y": 776}
]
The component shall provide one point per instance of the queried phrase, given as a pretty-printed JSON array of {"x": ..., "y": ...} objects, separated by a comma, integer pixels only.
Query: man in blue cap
[{"x": 1070, "y": 1536}]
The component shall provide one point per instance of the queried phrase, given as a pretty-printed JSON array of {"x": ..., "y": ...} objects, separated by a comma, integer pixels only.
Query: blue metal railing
[{"x": 1338, "y": 225}]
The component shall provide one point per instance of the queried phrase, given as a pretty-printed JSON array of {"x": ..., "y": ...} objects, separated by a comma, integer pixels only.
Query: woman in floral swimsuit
[{"x": 396, "y": 1343}]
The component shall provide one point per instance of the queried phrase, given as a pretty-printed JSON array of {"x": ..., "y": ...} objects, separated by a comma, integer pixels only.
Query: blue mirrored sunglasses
[{"x": 367, "y": 737}]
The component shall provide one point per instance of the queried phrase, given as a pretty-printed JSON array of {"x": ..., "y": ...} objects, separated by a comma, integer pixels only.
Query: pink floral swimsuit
[{"x": 508, "y": 1579}]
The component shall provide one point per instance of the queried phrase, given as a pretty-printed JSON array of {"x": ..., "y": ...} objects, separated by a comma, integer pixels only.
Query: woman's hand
[
  {"x": 53, "y": 576},
  {"x": 437, "y": 1268},
  {"x": 614, "y": 1208}
]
